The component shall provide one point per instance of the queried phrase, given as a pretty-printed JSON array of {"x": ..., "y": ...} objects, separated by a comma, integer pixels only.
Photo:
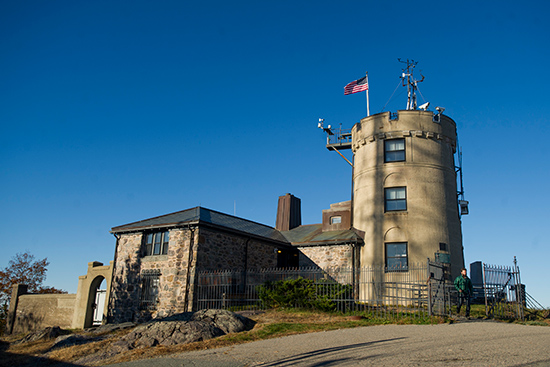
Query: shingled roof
[
  {"x": 200, "y": 215},
  {"x": 313, "y": 235},
  {"x": 305, "y": 235}
]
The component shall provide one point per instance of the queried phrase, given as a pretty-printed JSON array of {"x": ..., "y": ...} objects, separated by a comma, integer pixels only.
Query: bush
[{"x": 302, "y": 293}]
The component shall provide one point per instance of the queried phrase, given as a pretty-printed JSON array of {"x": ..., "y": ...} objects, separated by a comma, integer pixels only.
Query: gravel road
[{"x": 480, "y": 343}]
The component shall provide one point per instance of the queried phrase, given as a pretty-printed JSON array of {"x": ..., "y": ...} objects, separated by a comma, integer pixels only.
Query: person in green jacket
[{"x": 463, "y": 285}]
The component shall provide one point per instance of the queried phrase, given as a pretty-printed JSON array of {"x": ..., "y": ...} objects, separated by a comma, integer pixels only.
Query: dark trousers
[{"x": 463, "y": 298}]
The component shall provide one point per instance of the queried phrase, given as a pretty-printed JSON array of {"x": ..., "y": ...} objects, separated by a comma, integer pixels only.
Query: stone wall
[
  {"x": 189, "y": 250},
  {"x": 124, "y": 299},
  {"x": 219, "y": 250},
  {"x": 176, "y": 273},
  {"x": 326, "y": 256},
  {"x": 176, "y": 269},
  {"x": 36, "y": 311}
]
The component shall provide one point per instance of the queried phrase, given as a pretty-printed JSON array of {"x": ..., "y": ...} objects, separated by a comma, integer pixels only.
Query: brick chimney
[{"x": 289, "y": 213}]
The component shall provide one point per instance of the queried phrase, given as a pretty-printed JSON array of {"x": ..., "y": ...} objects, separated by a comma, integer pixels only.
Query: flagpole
[{"x": 368, "y": 108}]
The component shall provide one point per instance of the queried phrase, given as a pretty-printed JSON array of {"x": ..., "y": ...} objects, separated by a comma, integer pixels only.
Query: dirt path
[{"x": 462, "y": 344}]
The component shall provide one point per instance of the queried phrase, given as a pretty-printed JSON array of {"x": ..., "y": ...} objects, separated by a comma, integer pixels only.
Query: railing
[
  {"x": 341, "y": 139},
  {"x": 504, "y": 294},
  {"x": 422, "y": 290},
  {"x": 374, "y": 289},
  {"x": 149, "y": 289}
]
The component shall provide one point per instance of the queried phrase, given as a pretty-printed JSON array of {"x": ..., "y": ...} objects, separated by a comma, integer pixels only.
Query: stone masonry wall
[
  {"x": 124, "y": 299},
  {"x": 261, "y": 255},
  {"x": 177, "y": 270},
  {"x": 173, "y": 280},
  {"x": 326, "y": 256},
  {"x": 226, "y": 251},
  {"x": 211, "y": 249}
]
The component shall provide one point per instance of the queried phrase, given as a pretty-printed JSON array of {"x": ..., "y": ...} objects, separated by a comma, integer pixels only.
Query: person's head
[{"x": 463, "y": 272}]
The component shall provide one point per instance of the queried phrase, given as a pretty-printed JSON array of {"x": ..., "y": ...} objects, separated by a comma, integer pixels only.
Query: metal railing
[
  {"x": 373, "y": 289},
  {"x": 503, "y": 292},
  {"x": 340, "y": 138},
  {"x": 149, "y": 289},
  {"x": 422, "y": 290}
]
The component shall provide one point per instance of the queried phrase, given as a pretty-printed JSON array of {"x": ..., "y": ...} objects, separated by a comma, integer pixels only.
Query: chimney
[{"x": 289, "y": 213}]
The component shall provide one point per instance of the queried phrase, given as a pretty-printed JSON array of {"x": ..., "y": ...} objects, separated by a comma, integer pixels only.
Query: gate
[
  {"x": 439, "y": 289},
  {"x": 504, "y": 293}
]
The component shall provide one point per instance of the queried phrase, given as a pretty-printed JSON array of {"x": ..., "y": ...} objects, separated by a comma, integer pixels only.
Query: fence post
[{"x": 485, "y": 291}]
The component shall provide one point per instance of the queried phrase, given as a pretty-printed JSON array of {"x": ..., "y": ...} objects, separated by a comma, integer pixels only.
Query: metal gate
[
  {"x": 439, "y": 289},
  {"x": 503, "y": 291}
]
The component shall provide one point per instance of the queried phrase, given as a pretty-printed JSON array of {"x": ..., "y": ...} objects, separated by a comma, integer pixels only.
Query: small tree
[{"x": 22, "y": 269}]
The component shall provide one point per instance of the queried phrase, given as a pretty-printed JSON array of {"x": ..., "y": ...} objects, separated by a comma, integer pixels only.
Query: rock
[
  {"x": 44, "y": 334},
  {"x": 112, "y": 327},
  {"x": 227, "y": 321},
  {"x": 68, "y": 341},
  {"x": 182, "y": 328}
]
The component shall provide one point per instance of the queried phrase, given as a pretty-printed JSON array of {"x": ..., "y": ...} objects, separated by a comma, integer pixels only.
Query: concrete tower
[
  {"x": 405, "y": 198},
  {"x": 405, "y": 190}
]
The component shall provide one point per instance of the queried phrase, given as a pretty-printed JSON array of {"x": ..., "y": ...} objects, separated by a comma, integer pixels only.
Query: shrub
[{"x": 302, "y": 293}]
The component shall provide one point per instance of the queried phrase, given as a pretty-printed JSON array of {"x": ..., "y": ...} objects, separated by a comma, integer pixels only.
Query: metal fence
[
  {"x": 369, "y": 289},
  {"x": 503, "y": 292},
  {"x": 418, "y": 291}
]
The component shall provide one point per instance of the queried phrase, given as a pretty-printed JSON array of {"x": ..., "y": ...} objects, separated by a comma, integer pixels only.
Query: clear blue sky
[{"x": 117, "y": 111}]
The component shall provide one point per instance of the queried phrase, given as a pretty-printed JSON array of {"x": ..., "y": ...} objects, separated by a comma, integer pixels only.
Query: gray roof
[
  {"x": 306, "y": 235},
  {"x": 199, "y": 215},
  {"x": 312, "y": 234}
]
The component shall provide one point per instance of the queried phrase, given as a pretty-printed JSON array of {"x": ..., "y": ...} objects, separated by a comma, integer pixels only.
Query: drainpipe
[
  {"x": 355, "y": 270},
  {"x": 189, "y": 262},
  {"x": 245, "y": 272}
]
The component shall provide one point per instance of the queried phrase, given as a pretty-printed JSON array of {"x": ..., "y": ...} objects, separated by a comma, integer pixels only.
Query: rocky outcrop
[
  {"x": 43, "y": 334},
  {"x": 182, "y": 328}
]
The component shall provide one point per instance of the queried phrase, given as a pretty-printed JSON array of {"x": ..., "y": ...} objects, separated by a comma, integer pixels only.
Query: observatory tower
[{"x": 405, "y": 197}]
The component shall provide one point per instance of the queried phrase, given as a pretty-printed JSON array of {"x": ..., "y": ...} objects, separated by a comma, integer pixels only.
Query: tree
[{"x": 22, "y": 269}]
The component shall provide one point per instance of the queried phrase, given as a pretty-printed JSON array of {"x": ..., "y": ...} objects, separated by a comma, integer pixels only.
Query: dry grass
[{"x": 270, "y": 324}]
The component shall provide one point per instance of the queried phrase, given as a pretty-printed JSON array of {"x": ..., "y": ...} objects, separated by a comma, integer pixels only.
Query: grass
[{"x": 269, "y": 324}]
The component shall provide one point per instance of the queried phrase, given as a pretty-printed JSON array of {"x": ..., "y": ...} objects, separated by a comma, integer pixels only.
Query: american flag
[{"x": 356, "y": 86}]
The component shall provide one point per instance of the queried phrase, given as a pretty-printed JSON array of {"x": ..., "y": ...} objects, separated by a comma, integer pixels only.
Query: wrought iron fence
[
  {"x": 418, "y": 291},
  {"x": 369, "y": 289},
  {"x": 503, "y": 292}
]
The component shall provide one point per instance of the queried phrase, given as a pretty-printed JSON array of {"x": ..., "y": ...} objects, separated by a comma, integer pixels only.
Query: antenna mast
[{"x": 411, "y": 83}]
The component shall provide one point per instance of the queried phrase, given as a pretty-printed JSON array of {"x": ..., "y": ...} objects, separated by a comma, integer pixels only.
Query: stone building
[{"x": 157, "y": 259}]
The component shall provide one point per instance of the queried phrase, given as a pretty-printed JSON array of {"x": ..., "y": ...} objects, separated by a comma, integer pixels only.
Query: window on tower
[
  {"x": 396, "y": 256},
  {"x": 395, "y": 199},
  {"x": 394, "y": 150}
]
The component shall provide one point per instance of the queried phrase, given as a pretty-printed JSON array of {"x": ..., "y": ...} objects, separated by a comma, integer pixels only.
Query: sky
[{"x": 117, "y": 111}]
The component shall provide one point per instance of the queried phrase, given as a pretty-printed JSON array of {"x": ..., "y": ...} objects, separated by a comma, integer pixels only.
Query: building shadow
[{"x": 323, "y": 355}]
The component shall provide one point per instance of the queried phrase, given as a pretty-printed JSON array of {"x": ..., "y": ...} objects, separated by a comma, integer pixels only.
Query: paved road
[{"x": 463, "y": 344}]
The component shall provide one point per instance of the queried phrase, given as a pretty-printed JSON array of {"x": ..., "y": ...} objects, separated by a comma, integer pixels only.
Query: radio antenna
[{"x": 411, "y": 83}]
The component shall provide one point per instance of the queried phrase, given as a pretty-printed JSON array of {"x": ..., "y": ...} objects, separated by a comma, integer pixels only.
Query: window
[
  {"x": 396, "y": 256},
  {"x": 335, "y": 220},
  {"x": 150, "y": 280},
  {"x": 442, "y": 246},
  {"x": 394, "y": 150},
  {"x": 395, "y": 199},
  {"x": 156, "y": 243}
]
